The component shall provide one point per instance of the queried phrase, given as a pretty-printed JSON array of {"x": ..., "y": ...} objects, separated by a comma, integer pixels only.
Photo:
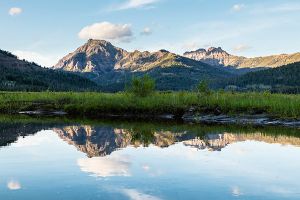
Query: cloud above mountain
[
  {"x": 136, "y": 4},
  {"x": 107, "y": 31}
]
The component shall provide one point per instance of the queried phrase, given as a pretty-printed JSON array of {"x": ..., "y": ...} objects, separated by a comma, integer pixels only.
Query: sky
[{"x": 45, "y": 31}]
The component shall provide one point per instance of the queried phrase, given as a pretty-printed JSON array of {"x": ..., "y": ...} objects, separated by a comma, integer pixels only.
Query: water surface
[{"x": 138, "y": 160}]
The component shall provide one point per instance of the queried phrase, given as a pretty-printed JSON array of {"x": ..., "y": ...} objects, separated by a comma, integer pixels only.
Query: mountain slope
[
  {"x": 111, "y": 67},
  {"x": 219, "y": 57},
  {"x": 281, "y": 79},
  {"x": 17, "y": 74}
]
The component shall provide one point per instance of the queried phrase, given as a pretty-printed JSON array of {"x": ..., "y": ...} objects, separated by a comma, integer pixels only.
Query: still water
[{"x": 146, "y": 161}]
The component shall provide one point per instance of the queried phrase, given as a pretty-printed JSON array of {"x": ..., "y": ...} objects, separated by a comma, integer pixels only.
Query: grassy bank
[{"x": 94, "y": 104}]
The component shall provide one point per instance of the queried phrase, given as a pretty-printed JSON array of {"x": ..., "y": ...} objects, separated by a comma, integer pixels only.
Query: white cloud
[
  {"x": 146, "y": 31},
  {"x": 136, "y": 195},
  {"x": 15, "y": 11},
  {"x": 241, "y": 48},
  {"x": 38, "y": 58},
  {"x": 105, "y": 166},
  {"x": 14, "y": 185},
  {"x": 136, "y": 4},
  {"x": 238, "y": 7},
  {"x": 107, "y": 31}
]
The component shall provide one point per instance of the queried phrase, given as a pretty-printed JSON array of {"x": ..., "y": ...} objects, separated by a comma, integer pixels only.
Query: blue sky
[{"x": 44, "y": 31}]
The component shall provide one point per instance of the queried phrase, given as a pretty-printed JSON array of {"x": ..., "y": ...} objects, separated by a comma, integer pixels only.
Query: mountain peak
[
  {"x": 215, "y": 49},
  {"x": 213, "y": 55},
  {"x": 95, "y": 55},
  {"x": 97, "y": 42}
]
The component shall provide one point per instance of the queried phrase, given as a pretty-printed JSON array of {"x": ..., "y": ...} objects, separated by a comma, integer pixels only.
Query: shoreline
[{"x": 211, "y": 119}]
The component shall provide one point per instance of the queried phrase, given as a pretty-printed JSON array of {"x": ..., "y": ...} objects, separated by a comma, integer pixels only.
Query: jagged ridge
[{"x": 219, "y": 57}]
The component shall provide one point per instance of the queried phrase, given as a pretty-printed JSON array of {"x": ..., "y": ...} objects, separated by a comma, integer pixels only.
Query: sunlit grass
[{"x": 279, "y": 105}]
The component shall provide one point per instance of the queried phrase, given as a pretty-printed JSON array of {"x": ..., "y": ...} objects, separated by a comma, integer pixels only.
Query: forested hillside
[
  {"x": 283, "y": 79},
  {"x": 20, "y": 75}
]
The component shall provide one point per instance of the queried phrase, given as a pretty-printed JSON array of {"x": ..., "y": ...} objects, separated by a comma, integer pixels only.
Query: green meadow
[{"x": 95, "y": 104}]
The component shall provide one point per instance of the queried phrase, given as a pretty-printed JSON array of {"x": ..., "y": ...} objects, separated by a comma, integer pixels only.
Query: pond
[{"x": 57, "y": 159}]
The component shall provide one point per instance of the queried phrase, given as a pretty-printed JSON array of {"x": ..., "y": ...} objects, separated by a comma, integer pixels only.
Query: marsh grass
[{"x": 277, "y": 105}]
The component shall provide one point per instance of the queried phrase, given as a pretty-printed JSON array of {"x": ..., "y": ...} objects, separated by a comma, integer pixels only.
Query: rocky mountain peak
[
  {"x": 214, "y": 49},
  {"x": 214, "y": 56},
  {"x": 201, "y": 50},
  {"x": 95, "y": 55}
]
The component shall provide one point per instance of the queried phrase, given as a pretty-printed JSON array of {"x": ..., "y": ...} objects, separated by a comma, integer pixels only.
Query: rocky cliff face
[
  {"x": 218, "y": 57},
  {"x": 213, "y": 56}
]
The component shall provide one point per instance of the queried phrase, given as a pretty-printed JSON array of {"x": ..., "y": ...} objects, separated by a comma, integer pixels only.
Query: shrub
[
  {"x": 202, "y": 88},
  {"x": 143, "y": 86}
]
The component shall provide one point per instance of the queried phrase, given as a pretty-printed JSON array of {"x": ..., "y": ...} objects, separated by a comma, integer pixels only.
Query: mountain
[
  {"x": 219, "y": 57},
  {"x": 21, "y": 75},
  {"x": 111, "y": 67},
  {"x": 281, "y": 79},
  {"x": 101, "y": 56}
]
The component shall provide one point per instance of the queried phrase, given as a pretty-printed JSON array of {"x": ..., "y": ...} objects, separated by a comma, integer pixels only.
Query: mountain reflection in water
[
  {"x": 146, "y": 160},
  {"x": 102, "y": 140}
]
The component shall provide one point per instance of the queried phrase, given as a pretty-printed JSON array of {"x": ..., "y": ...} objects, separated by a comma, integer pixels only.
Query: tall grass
[{"x": 278, "y": 105}]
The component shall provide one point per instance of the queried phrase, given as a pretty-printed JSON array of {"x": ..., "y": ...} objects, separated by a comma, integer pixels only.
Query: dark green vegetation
[
  {"x": 18, "y": 75},
  {"x": 142, "y": 87},
  {"x": 174, "y": 78},
  {"x": 177, "y": 103},
  {"x": 285, "y": 79}
]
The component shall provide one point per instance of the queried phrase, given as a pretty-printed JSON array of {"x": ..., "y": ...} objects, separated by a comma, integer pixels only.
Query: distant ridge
[{"x": 219, "y": 57}]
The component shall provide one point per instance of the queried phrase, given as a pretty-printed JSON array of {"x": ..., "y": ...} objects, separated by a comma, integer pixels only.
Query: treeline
[
  {"x": 35, "y": 78},
  {"x": 285, "y": 79},
  {"x": 7, "y": 53}
]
